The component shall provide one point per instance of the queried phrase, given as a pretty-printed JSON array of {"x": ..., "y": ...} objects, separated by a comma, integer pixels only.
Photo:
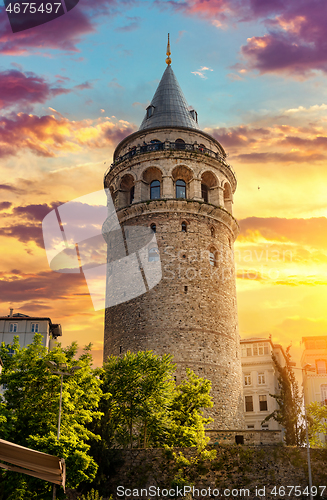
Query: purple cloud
[{"x": 25, "y": 88}]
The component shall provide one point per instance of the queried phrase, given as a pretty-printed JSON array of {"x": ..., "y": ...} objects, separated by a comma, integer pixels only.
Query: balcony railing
[{"x": 169, "y": 146}]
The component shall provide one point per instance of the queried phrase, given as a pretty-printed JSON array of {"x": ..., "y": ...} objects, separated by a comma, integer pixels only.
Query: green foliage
[
  {"x": 289, "y": 414},
  {"x": 91, "y": 495},
  {"x": 143, "y": 406},
  {"x": 317, "y": 420},
  {"x": 137, "y": 393},
  {"x": 185, "y": 412},
  {"x": 29, "y": 412}
]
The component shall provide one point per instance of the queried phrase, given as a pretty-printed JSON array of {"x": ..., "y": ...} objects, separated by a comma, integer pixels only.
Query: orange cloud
[{"x": 50, "y": 135}]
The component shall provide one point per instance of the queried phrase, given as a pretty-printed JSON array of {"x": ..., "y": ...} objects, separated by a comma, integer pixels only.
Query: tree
[
  {"x": 187, "y": 421},
  {"x": 143, "y": 406},
  {"x": 137, "y": 394},
  {"x": 29, "y": 412},
  {"x": 317, "y": 420},
  {"x": 290, "y": 402}
]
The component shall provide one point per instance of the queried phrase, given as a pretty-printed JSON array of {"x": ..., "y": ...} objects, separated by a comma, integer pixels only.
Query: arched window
[
  {"x": 155, "y": 190},
  {"x": 212, "y": 257},
  {"x": 180, "y": 144},
  {"x": 184, "y": 227},
  {"x": 212, "y": 230},
  {"x": 131, "y": 195},
  {"x": 180, "y": 189},
  {"x": 153, "y": 228},
  {"x": 204, "y": 192},
  {"x": 126, "y": 191},
  {"x": 153, "y": 255}
]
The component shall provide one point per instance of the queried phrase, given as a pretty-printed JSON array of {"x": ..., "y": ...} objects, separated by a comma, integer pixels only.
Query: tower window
[
  {"x": 204, "y": 192},
  {"x": 131, "y": 195},
  {"x": 153, "y": 255},
  {"x": 184, "y": 227},
  {"x": 180, "y": 144},
  {"x": 153, "y": 228},
  {"x": 263, "y": 405},
  {"x": 120, "y": 349},
  {"x": 212, "y": 230},
  {"x": 185, "y": 288},
  {"x": 149, "y": 111},
  {"x": 194, "y": 115},
  {"x": 155, "y": 190},
  {"x": 212, "y": 258},
  {"x": 180, "y": 189}
]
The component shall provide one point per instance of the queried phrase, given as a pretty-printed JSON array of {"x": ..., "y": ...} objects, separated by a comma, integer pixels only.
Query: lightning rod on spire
[{"x": 168, "y": 60}]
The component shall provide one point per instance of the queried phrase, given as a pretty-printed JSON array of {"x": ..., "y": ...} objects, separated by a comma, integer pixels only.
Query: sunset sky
[{"x": 255, "y": 71}]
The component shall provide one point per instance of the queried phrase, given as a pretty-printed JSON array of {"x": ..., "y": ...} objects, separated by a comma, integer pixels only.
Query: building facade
[
  {"x": 25, "y": 327},
  {"x": 315, "y": 381},
  {"x": 174, "y": 179},
  {"x": 260, "y": 379}
]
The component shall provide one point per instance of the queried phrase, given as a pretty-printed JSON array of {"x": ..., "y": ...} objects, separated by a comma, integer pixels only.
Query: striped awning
[{"x": 33, "y": 463}]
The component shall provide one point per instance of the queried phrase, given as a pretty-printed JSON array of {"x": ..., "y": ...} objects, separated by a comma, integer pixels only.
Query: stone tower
[{"x": 174, "y": 179}]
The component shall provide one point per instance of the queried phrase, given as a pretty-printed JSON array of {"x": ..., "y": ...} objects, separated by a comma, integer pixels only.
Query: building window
[
  {"x": 257, "y": 349},
  {"x": 180, "y": 189},
  {"x": 131, "y": 195},
  {"x": 212, "y": 230},
  {"x": 265, "y": 427},
  {"x": 263, "y": 405},
  {"x": 10, "y": 352},
  {"x": 247, "y": 379},
  {"x": 13, "y": 327},
  {"x": 323, "y": 390},
  {"x": 153, "y": 255},
  {"x": 155, "y": 190},
  {"x": 261, "y": 378},
  {"x": 250, "y": 426},
  {"x": 321, "y": 367},
  {"x": 248, "y": 403},
  {"x": 153, "y": 228},
  {"x": 184, "y": 227},
  {"x": 204, "y": 192},
  {"x": 35, "y": 328},
  {"x": 185, "y": 288}
]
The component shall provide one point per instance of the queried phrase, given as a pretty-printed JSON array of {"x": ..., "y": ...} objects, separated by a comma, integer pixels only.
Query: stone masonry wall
[
  {"x": 192, "y": 312},
  {"x": 254, "y": 472}
]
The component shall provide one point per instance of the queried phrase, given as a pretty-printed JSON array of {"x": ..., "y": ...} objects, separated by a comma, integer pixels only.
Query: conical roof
[{"x": 169, "y": 106}]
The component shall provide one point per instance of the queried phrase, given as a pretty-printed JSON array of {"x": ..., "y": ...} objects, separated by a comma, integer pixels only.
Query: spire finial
[{"x": 168, "y": 60}]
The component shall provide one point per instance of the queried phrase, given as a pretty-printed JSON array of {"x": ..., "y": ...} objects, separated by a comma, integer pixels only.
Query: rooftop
[{"x": 169, "y": 107}]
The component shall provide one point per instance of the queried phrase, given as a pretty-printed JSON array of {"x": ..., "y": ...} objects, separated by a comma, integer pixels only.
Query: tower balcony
[{"x": 151, "y": 147}]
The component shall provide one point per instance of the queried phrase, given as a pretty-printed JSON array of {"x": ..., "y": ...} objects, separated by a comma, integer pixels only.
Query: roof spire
[{"x": 168, "y": 53}]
